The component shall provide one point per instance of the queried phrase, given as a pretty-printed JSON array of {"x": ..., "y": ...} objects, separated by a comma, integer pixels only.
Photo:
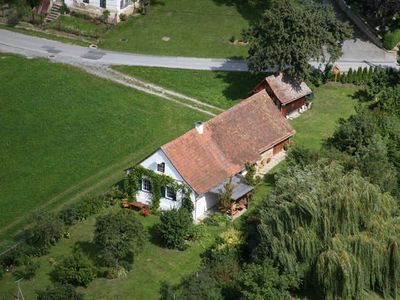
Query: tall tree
[
  {"x": 293, "y": 33},
  {"x": 333, "y": 229}
]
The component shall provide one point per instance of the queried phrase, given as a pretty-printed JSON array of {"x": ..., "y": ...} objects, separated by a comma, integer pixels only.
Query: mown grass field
[
  {"x": 221, "y": 89},
  {"x": 63, "y": 130},
  {"x": 195, "y": 28},
  {"x": 152, "y": 266}
]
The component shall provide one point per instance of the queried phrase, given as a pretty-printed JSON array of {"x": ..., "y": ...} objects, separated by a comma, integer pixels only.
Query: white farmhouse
[
  {"x": 95, "y": 8},
  {"x": 206, "y": 157}
]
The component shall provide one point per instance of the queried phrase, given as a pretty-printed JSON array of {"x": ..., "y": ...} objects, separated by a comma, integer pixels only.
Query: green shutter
[{"x": 162, "y": 191}]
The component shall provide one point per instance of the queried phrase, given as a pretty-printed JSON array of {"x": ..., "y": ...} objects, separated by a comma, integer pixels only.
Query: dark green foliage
[
  {"x": 158, "y": 182},
  {"x": 187, "y": 203},
  {"x": 13, "y": 18},
  {"x": 225, "y": 196},
  {"x": 350, "y": 77},
  {"x": 332, "y": 229},
  {"x": 119, "y": 236},
  {"x": 27, "y": 268},
  {"x": 174, "y": 227},
  {"x": 76, "y": 270},
  {"x": 251, "y": 172},
  {"x": 46, "y": 230},
  {"x": 293, "y": 33},
  {"x": 88, "y": 207},
  {"x": 263, "y": 281},
  {"x": 59, "y": 292},
  {"x": 391, "y": 39},
  {"x": 301, "y": 156}
]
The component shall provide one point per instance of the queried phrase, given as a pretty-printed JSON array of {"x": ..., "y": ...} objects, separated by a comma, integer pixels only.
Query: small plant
[
  {"x": 75, "y": 270},
  {"x": 225, "y": 195},
  {"x": 122, "y": 17},
  {"x": 106, "y": 15},
  {"x": 28, "y": 269},
  {"x": 13, "y": 18},
  {"x": 216, "y": 219},
  {"x": 232, "y": 39},
  {"x": 251, "y": 172},
  {"x": 116, "y": 272}
]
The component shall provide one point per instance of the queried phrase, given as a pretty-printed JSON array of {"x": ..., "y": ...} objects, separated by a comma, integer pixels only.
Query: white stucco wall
[
  {"x": 150, "y": 163},
  {"x": 204, "y": 203}
]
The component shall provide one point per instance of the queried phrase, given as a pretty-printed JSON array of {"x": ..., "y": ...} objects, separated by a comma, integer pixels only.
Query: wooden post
[{"x": 336, "y": 72}]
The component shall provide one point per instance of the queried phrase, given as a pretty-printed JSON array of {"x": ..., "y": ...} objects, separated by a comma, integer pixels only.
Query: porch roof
[{"x": 240, "y": 188}]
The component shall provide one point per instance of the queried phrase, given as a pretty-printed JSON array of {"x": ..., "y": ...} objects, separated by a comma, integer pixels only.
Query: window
[
  {"x": 161, "y": 167},
  {"x": 103, "y": 3},
  {"x": 170, "y": 193},
  {"x": 146, "y": 185},
  {"x": 86, "y": 1}
]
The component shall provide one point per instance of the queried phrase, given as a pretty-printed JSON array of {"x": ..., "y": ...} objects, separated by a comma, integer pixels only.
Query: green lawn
[
  {"x": 332, "y": 102},
  {"x": 222, "y": 89},
  {"x": 153, "y": 265},
  {"x": 63, "y": 131},
  {"x": 195, "y": 28},
  {"x": 79, "y": 26}
]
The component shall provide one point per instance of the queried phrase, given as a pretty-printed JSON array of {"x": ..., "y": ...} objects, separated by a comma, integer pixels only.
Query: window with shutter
[
  {"x": 170, "y": 193},
  {"x": 161, "y": 167},
  {"x": 146, "y": 185}
]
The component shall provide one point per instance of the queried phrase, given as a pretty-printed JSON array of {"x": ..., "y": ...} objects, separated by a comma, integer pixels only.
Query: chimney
[{"x": 199, "y": 127}]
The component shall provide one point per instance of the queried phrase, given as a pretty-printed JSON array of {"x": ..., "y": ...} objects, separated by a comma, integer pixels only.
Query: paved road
[{"x": 356, "y": 53}]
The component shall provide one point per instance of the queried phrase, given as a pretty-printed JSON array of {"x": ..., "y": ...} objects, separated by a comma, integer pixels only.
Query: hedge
[{"x": 391, "y": 39}]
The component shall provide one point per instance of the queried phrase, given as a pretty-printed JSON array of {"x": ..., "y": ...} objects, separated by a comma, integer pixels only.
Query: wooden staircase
[{"x": 54, "y": 12}]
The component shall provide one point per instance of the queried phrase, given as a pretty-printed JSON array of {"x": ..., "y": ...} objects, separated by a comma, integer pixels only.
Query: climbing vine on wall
[{"x": 133, "y": 183}]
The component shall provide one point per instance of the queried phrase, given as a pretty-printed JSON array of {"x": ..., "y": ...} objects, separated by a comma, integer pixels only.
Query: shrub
[
  {"x": 2, "y": 272},
  {"x": 263, "y": 281},
  {"x": 76, "y": 269},
  {"x": 251, "y": 171},
  {"x": 45, "y": 232},
  {"x": 84, "y": 209},
  {"x": 174, "y": 227},
  {"x": 122, "y": 17},
  {"x": 116, "y": 272},
  {"x": 28, "y": 269},
  {"x": 120, "y": 236},
  {"x": 59, "y": 292},
  {"x": 391, "y": 39},
  {"x": 13, "y": 18},
  {"x": 197, "y": 232},
  {"x": 232, "y": 39},
  {"x": 225, "y": 195},
  {"x": 216, "y": 219}
]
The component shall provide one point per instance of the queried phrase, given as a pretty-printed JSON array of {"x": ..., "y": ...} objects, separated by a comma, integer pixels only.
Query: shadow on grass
[
  {"x": 251, "y": 10},
  {"x": 154, "y": 236}
]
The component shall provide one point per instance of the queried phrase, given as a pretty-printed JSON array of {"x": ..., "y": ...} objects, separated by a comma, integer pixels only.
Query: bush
[
  {"x": 28, "y": 269},
  {"x": 59, "y": 292},
  {"x": 116, "y": 272},
  {"x": 391, "y": 39},
  {"x": 263, "y": 281},
  {"x": 13, "y": 18},
  {"x": 45, "y": 232},
  {"x": 216, "y": 219},
  {"x": 64, "y": 9},
  {"x": 120, "y": 236},
  {"x": 122, "y": 17},
  {"x": 174, "y": 227},
  {"x": 84, "y": 209},
  {"x": 76, "y": 269}
]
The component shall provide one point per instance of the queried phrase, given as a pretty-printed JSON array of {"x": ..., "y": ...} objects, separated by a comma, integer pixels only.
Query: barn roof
[
  {"x": 228, "y": 141},
  {"x": 287, "y": 89}
]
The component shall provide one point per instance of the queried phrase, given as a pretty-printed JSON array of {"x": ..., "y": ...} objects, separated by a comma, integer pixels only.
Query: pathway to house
[{"x": 357, "y": 53}]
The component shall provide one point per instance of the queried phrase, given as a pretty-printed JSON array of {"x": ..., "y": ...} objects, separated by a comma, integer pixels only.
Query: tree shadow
[
  {"x": 361, "y": 95},
  {"x": 89, "y": 249},
  {"x": 155, "y": 237},
  {"x": 251, "y": 10},
  {"x": 240, "y": 84}
]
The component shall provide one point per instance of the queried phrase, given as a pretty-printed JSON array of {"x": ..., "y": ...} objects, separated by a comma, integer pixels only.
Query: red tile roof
[
  {"x": 229, "y": 140},
  {"x": 286, "y": 89}
]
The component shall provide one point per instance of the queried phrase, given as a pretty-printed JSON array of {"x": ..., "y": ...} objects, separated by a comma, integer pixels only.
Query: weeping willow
[{"x": 335, "y": 230}]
